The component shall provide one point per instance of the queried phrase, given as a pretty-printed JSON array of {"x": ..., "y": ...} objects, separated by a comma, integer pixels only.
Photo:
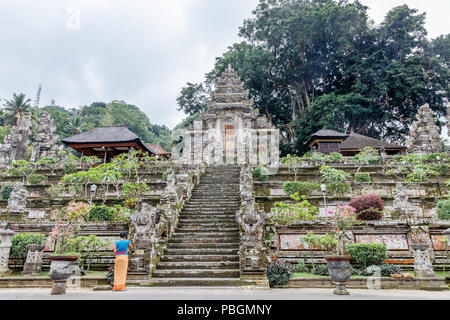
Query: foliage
[
  {"x": 367, "y": 254},
  {"x": 369, "y": 207},
  {"x": 21, "y": 168},
  {"x": 343, "y": 218},
  {"x": 327, "y": 242},
  {"x": 443, "y": 209},
  {"x": 278, "y": 273},
  {"x": 323, "y": 64},
  {"x": 261, "y": 173},
  {"x": 302, "y": 188},
  {"x": 387, "y": 269},
  {"x": 421, "y": 173},
  {"x": 37, "y": 179},
  {"x": 301, "y": 267},
  {"x": 320, "y": 270},
  {"x": 291, "y": 213},
  {"x": 85, "y": 247},
  {"x": 131, "y": 203},
  {"x": 294, "y": 164},
  {"x": 61, "y": 234},
  {"x": 56, "y": 190},
  {"x": 362, "y": 177},
  {"x": 135, "y": 189},
  {"x": 76, "y": 211},
  {"x": 115, "y": 113},
  {"x": 48, "y": 163},
  {"x": 108, "y": 214},
  {"x": 336, "y": 179},
  {"x": 368, "y": 155},
  {"x": 21, "y": 241},
  {"x": 16, "y": 107},
  {"x": 5, "y": 192}
]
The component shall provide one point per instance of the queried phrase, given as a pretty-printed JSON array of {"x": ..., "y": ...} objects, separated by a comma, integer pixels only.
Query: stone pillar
[
  {"x": 274, "y": 149},
  {"x": 5, "y": 248},
  {"x": 422, "y": 262},
  {"x": 262, "y": 147},
  {"x": 219, "y": 144},
  {"x": 187, "y": 149},
  {"x": 240, "y": 135},
  {"x": 253, "y": 147},
  {"x": 33, "y": 265}
]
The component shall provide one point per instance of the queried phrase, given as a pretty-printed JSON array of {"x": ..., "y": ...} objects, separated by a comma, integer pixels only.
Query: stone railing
[
  {"x": 399, "y": 236},
  {"x": 253, "y": 254}
]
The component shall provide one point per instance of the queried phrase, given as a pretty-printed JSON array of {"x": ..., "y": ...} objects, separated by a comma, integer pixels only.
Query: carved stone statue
[
  {"x": 18, "y": 199},
  {"x": 45, "y": 140},
  {"x": 424, "y": 137},
  {"x": 16, "y": 143}
]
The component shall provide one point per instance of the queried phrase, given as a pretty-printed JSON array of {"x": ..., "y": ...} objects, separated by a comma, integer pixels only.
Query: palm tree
[
  {"x": 16, "y": 107},
  {"x": 75, "y": 124}
]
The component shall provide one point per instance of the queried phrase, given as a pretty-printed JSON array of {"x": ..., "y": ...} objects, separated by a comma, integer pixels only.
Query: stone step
[
  {"x": 205, "y": 235},
  {"x": 194, "y": 252},
  {"x": 196, "y": 273},
  {"x": 192, "y": 246},
  {"x": 222, "y": 239},
  {"x": 206, "y": 229},
  {"x": 198, "y": 265},
  {"x": 200, "y": 258},
  {"x": 209, "y": 223},
  {"x": 192, "y": 282}
]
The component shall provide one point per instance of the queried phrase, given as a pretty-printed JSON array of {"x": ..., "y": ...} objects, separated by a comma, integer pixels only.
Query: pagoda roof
[
  {"x": 117, "y": 139},
  {"x": 326, "y": 134},
  {"x": 358, "y": 141}
]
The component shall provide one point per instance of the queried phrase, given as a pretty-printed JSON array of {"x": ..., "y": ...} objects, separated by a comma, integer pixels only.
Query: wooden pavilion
[{"x": 107, "y": 142}]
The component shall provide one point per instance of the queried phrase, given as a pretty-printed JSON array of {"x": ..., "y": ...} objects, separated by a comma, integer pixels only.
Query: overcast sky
[{"x": 139, "y": 51}]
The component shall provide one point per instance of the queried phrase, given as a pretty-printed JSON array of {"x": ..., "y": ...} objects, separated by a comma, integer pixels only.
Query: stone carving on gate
[
  {"x": 5, "y": 248},
  {"x": 17, "y": 201},
  {"x": 422, "y": 261},
  {"x": 424, "y": 136}
]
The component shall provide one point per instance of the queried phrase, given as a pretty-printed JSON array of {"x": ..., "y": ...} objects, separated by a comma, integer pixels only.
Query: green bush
[
  {"x": 278, "y": 273},
  {"x": 301, "y": 267},
  {"x": 362, "y": 177},
  {"x": 101, "y": 214},
  {"x": 321, "y": 270},
  {"x": 261, "y": 173},
  {"x": 37, "y": 179},
  {"x": 21, "y": 241},
  {"x": 303, "y": 188},
  {"x": 387, "y": 269},
  {"x": 443, "y": 209},
  {"x": 367, "y": 254},
  {"x": 334, "y": 157},
  {"x": 5, "y": 192}
]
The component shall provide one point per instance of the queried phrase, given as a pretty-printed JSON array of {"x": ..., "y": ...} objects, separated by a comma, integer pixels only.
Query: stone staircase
[{"x": 203, "y": 251}]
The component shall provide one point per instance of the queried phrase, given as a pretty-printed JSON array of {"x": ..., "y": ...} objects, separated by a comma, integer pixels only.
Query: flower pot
[
  {"x": 61, "y": 268},
  {"x": 340, "y": 272}
]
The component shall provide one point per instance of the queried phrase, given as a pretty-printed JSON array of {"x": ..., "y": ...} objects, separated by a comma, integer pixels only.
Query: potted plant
[
  {"x": 63, "y": 262},
  {"x": 339, "y": 266},
  {"x": 338, "y": 261}
]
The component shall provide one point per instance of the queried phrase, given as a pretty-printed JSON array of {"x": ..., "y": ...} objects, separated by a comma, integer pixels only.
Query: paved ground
[{"x": 222, "y": 294}]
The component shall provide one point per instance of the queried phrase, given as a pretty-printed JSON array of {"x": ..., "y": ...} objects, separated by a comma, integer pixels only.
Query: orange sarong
[{"x": 120, "y": 272}]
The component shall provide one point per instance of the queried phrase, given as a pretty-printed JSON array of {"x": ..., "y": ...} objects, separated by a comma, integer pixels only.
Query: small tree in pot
[{"x": 339, "y": 268}]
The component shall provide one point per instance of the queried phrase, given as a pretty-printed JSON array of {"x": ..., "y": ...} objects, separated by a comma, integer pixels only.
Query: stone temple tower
[
  {"x": 424, "y": 137},
  {"x": 231, "y": 131}
]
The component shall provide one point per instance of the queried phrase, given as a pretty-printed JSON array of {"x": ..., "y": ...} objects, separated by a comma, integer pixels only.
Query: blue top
[{"x": 122, "y": 247}]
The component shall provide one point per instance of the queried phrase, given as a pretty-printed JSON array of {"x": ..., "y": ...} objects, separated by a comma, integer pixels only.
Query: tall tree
[{"x": 16, "y": 107}]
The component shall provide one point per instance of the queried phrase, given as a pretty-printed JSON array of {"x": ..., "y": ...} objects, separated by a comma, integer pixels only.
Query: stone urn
[
  {"x": 340, "y": 272},
  {"x": 61, "y": 269}
]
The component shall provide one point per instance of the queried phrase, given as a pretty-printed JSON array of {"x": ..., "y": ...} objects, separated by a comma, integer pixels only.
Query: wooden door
[{"x": 229, "y": 141}]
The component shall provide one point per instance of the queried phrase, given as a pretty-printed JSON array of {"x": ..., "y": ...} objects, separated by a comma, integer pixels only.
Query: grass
[
  {"x": 45, "y": 274},
  {"x": 439, "y": 274}
]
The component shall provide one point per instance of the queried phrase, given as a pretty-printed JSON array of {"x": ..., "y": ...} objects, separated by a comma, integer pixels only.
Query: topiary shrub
[
  {"x": 301, "y": 267},
  {"x": 101, "y": 214},
  {"x": 368, "y": 207},
  {"x": 303, "y": 188},
  {"x": 20, "y": 242},
  {"x": 320, "y": 270},
  {"x": 37, "y": 179},
  {"x": 387, "y": 269},
  {"x": 261, "y": 173},
  {"x": 362, "y": 177},
  {"x": 5, "y": 192},
  {"x": 443, "y": 209},
  {"x": 367, "y": 254},
  {"x": 278, "y": 273}
]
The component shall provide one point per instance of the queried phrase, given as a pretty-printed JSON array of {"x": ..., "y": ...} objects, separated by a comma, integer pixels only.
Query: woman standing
[{"x": 121, "y": 248}]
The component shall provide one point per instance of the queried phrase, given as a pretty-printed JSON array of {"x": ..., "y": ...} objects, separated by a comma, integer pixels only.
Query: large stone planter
[
  {"x": 340, "y": 272},
  {"x": 61, "y": 268}
]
